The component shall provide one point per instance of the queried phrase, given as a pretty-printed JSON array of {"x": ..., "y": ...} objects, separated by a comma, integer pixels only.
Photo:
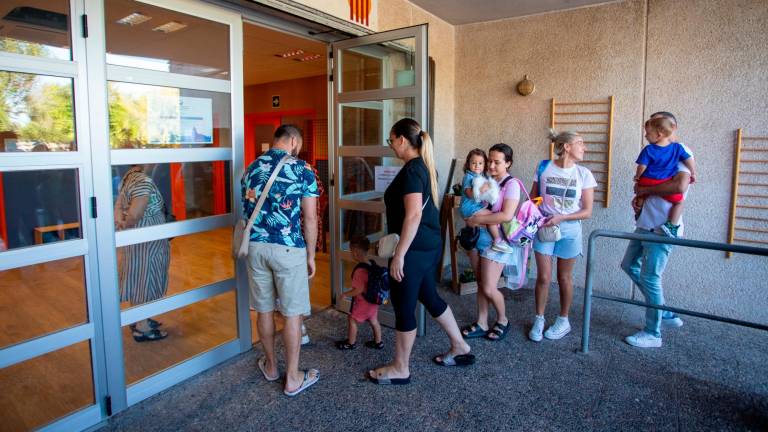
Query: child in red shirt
[{"x": 362, "y": 310}]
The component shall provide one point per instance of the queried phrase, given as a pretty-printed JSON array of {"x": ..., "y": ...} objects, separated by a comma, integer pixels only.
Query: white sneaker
[
  {"x": 671, "y": 322},
  {"x": 502, "y": 247},
  {"x": 537, "y": 330},
  {"x": 560, "y": 328},
  {"x": 643, "y": 339}
]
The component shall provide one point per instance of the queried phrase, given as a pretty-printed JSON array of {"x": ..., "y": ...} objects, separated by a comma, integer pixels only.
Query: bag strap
[
  {"x": 539, "y": 171},
  {"x": 264, "y": 193}
]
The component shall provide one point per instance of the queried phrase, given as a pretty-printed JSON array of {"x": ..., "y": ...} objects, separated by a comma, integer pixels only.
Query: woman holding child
[
  {"x": 492, "y": 258},
  {"x": 412, "y": 212},
  {"x": 567, "y": 190}
]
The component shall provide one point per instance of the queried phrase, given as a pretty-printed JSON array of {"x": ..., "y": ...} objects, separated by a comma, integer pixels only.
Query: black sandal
[
  {"x": 499, "y": 330},
  {"x": 153, "y": 324},
  {"x": 151, "y": 335},
  {"x": 374, "y": 345},
  {"x": 473, "y": 331},
  {"x": 345, "y": 345}
]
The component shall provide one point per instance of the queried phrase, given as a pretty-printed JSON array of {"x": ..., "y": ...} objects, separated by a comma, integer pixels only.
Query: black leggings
[{"x": 419, "y": 283}]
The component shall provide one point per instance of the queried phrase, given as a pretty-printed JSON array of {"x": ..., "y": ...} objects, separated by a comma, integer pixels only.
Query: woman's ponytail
[{"x": 427, "y": 154}]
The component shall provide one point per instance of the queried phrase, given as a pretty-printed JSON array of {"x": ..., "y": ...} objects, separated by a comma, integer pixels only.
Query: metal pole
[
  {"x": 421, "y": 321},
  {"x": 587, "y": 296}
]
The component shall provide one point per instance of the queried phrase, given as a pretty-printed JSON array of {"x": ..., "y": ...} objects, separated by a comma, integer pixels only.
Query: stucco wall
[
  {"x": 706, "y": 62},
  {"x": 393, "y": 14}
]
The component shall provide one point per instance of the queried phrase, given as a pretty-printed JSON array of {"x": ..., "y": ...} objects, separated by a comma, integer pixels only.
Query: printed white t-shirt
[{"x": 561, "y": 188}]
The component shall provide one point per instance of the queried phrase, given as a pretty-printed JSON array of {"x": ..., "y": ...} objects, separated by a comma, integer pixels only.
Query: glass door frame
[
  {"x": 104, "y": 158},
  {"x": 338, "y": 99},
  {"x": 85, "y": 247}
]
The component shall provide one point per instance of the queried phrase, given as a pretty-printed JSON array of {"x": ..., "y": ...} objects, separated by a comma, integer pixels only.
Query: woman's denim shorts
[{"x": 569, "y": 246}]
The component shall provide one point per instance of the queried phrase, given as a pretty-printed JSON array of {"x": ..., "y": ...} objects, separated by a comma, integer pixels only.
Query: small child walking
[
  {"x": 362, "y": 310},
  {"x": 474, "y": 168},
  {"x": 657, "y": 164}
]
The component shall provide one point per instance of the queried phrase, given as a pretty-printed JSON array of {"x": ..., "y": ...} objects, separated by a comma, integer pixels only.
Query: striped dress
[{"x": 143, "y": 267}]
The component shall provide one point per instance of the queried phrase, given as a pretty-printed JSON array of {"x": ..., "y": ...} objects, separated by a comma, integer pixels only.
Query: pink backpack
[{"x": 521, "y": 230}]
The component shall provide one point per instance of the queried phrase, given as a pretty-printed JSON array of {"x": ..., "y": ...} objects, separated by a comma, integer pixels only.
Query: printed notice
[
  {"x": 384, "y": 176},
  {"x": 175, "y": 119}
]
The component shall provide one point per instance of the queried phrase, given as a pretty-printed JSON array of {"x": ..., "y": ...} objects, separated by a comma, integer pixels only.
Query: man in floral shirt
[{"x": 279, "y": 261}]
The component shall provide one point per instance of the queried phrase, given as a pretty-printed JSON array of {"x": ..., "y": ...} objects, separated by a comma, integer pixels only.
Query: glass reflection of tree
[{"x": 35, "y": 109}]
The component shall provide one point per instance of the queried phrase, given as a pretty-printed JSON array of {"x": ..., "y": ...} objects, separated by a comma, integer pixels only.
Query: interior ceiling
[
  {"x": 472, "y": 11},
  {"x": 260, "y": 65}
]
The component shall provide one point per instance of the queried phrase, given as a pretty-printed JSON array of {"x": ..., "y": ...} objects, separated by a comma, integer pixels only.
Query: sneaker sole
[
  {"x": 557, "y": 336},
  {"x": 534, "y": 339},
  {"x": 641, "y": 346},
  {"x": 672, "y": 324}
]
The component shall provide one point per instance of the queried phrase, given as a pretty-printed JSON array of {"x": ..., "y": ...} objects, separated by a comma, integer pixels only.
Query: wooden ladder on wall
[
  {"x": 749, "y": 213},
  {"x": 594, "y": 121}
]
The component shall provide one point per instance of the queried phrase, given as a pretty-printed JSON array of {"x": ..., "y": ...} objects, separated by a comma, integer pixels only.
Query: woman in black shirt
[{"x": 411, "y": 202}]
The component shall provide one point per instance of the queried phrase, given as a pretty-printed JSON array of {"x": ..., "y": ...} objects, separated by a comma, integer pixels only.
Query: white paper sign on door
[{"x": 384, "y": 176}]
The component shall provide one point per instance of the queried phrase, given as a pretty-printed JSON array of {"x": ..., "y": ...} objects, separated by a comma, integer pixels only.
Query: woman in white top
[{"x": 567, "y": 191}]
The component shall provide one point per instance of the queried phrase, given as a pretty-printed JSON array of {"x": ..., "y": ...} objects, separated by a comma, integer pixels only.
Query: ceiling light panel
[
  {"x": 133, "y": 19},
  {"x": 291, "y": 53},
  {"x": 169, "y": 27}
]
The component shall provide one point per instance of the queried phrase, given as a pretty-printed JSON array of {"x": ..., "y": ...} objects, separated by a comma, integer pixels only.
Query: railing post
[{"x": 588, "y": 296}]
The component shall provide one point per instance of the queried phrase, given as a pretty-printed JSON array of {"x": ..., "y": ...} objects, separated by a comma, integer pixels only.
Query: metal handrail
[{"x": 697, "y": 244}]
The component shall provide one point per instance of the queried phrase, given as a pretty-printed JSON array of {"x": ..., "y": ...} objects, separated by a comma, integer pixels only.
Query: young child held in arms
[
  {"x": 477, "y": 192},
  {"x": 362, "y": 310},
  {"x": 657, "y": 164}
]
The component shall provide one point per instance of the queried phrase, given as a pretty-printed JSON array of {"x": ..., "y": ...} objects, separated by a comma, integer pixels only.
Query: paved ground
[{"x": 707, "y": 376}]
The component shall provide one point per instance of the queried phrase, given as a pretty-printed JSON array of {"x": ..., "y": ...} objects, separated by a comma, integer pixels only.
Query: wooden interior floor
[{"x": 46, "y": 298}]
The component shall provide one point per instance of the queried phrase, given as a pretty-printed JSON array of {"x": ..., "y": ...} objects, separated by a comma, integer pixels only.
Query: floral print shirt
[{"x": 279, "y": 220}]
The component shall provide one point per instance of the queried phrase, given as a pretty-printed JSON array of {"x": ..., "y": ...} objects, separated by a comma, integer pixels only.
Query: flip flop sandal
[
  {"x": 151, "y": 335},
  {"x": 375, "y": 345},
  {"x": 473, "y": 331},
  {"x": 262, "y": 363},
  {"x": 499, "y": 330},
  {"x": 345, "y": 345},
  {"x": 459, "y": 360},
  {"x": 306, "y": 383},
  {"x": 387, "y": 380}
]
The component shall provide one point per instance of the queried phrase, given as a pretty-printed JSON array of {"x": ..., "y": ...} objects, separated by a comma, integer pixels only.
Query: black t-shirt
[{"x": 412, "y": 178}]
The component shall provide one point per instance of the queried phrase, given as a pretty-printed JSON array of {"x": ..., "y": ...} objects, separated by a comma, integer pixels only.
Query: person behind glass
[
  {"x": 567, "y": 192},
  {"x": 280, "y": 262},
  {"x": 143, "y": 267},
  {"x": 411, "y": 210},
  {"x": 492, "y": 262}
]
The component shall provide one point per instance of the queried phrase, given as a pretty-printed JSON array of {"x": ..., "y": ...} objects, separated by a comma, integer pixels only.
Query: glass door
[
  {"x": 166, "y": 89},
  {"x": 52, "y": 365},
  {"x": 377, "y": 80}
]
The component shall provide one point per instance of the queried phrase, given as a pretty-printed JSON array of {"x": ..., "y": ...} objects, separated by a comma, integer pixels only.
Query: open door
[{"x": 377, "y": 80}]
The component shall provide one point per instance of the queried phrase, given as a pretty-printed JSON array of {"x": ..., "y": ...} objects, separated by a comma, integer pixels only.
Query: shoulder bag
[
  {"x": 388, "y": 243},
  {"x": 242, "y": 234}
]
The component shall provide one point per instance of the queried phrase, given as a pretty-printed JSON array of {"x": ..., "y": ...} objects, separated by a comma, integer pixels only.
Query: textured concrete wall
[
  {"x": 394, "y": 14},
  {"x": 706, "y": 62}
]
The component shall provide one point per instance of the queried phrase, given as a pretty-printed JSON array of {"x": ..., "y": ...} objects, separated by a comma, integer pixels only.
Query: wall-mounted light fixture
[{"x": 526, "y": 86}]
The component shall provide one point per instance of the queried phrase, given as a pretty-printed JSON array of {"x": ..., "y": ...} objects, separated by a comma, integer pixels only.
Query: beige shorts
[{"x": 278, "y": 279}]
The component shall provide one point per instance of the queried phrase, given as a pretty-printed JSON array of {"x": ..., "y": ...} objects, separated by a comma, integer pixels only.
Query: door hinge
[
  {"x": 84, "y": 19},
  {"x": 108, "y": 405},
  {"x": 94, "y": 212},
  {"x": 330, "y": 77},
  {"x": 332, "y": 181},
  {"x": 330, "y": 54}
]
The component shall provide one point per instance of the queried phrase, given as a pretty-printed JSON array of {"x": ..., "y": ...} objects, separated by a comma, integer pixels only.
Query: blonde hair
[
  {"x": 411, "y": 130},
  {"x": 662, "y": 125},
  {"x": 561, "y": 139}
]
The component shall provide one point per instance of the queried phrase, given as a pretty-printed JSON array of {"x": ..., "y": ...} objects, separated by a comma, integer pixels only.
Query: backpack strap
[{"x": 539, "y": 171}]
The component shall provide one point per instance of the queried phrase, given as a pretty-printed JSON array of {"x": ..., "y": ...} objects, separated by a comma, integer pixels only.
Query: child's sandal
[{"x": 344, "y": 345}]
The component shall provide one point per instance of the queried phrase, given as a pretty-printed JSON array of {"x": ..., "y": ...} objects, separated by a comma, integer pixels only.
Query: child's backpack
[
  {"x": 377, "y": 290},
  {"x": 521, "y": 230}
]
